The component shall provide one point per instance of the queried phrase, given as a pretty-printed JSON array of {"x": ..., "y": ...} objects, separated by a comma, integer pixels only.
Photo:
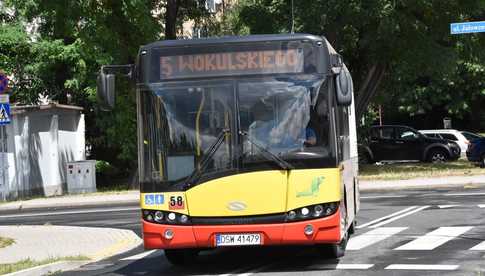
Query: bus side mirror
[
  {"x": 106, "y": 90},
  {"x": 344, "y": 87}
]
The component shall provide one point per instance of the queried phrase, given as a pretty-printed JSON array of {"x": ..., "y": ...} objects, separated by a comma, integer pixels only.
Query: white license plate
[{"x": 237, "y": 239}]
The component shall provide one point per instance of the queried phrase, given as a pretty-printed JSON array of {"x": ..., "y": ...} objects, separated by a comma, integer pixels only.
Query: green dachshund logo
[{"x": 313, "y": 189}]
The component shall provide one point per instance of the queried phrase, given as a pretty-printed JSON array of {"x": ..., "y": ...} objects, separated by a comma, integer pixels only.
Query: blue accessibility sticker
[{"x": 154, "y": 199}]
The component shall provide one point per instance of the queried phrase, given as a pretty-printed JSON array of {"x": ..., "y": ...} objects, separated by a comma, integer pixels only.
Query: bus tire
[
  {"x": 181, "y": 256},
  {"x": 334, "y": 251}
]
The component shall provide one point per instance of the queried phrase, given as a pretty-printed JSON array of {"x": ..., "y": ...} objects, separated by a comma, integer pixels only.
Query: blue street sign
[
  {"x": 4, "y": 113},
  {"x": 3, "y": 82},
  {"x": 467, "y": 27}
]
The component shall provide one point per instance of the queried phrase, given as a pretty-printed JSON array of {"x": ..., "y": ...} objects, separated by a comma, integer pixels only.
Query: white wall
[{"x": 40, "y": 144}]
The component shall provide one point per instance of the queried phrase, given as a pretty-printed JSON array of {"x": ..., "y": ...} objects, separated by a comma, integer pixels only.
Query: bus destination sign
[{"x": 232, "y": 63}]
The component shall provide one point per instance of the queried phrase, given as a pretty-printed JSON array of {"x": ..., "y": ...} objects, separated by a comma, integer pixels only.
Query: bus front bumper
[{"x": 326, "y": 230}]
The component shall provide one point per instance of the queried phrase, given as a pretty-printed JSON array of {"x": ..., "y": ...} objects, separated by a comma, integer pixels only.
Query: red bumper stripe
[{"x": 326, "y": 230}]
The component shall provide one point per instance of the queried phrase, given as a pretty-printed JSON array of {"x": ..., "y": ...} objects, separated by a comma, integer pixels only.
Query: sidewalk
[{"x": 39, "y": 243}]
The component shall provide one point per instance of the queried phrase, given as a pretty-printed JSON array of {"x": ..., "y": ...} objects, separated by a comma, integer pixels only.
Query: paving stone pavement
[{"x": 48, "y": 241}]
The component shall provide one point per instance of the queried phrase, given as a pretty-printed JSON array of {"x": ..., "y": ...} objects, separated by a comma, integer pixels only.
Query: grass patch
[
  {"x": 418, "y": 170},
  {"x": 4, "y": 242},
  {"x": 27, "y": 263}
]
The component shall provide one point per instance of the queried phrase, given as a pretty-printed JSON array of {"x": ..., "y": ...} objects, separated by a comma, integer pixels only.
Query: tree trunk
[
  {"x": 368, "y": 89},
  {"x": 171, "y": 19}
]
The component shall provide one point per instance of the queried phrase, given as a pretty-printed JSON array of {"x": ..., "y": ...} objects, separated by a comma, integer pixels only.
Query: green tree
[{"x": 382, "y": 40}]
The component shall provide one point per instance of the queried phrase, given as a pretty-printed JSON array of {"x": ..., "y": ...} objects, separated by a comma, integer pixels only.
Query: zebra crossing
[{"x": 426, "y": 241}]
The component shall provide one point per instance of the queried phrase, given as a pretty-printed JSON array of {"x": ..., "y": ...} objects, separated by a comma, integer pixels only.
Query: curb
[
  {"x": 386, "y": 186},
  {"x": 65, "y": 202},
  {"x": 49, "y": 268}
]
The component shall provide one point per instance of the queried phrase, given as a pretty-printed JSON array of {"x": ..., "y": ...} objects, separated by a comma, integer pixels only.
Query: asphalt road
[{"x": 399, "y": 233}]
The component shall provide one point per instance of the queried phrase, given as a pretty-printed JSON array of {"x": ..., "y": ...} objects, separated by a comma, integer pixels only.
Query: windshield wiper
[
  {"x": 268, "y": 154},
  {"x": 196, "y": 174}
]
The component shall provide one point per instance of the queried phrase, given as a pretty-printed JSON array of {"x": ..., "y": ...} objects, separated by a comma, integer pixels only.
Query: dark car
[
  {"x": 394, "y": 142},
  {"x": 476, "y": 151}
]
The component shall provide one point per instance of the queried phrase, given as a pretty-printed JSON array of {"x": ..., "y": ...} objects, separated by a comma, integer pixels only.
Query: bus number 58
[{"x": 176, "y": 202}]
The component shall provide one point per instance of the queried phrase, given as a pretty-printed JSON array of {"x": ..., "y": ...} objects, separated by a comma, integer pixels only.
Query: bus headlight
[
  {"x": 158, "y": 216},
  {"x": 304, "y": 211},
  {"x": 184, "y": 219},
  {"x": 312, "y": 211},
  {"x": 171, "y": 216},
  {"x": 164, "y": 217},
  {"x": 317, "y": 210}
]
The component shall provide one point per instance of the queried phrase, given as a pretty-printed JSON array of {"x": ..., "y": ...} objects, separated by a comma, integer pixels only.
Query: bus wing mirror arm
[{"x": 106, "y": 83}]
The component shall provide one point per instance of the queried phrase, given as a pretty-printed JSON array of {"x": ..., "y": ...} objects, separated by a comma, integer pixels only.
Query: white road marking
[
  {"x": 373, "y": 236},
  {"x": 398, "y": 217},
  {"x": 434, "y": 238},
  {"x": 385, "y": 217},
  {"x": 465, "y": 194},
  {"x": 71, "y": 212},
  {"x": 346, "y": 266},
  {"x": 481, "y": 205},
  {"x": 480, "y": 246},
  {"x": 138, "y": 256},
  {"x": 447, "y": 206},
  {"x": 354, "y": 266},
  {"x": 372, "y": 197},
  {"x": 422, "y": 267}
]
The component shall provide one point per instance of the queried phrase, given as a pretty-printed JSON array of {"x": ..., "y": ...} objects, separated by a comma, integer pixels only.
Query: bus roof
[{"x": 233, "y": 39}]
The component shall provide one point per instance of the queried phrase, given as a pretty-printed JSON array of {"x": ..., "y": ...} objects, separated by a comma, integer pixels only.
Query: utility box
[{"x": 81, "y": 177}]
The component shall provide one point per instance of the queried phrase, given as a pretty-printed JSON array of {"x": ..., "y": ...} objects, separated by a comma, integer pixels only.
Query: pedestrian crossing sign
[{"x": 4, "y": 113}]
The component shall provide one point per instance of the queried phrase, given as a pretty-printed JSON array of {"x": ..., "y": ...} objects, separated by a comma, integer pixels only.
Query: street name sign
[{"x": 467, "y": 27}]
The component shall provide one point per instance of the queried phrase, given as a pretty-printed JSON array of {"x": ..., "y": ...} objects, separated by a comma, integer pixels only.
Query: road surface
[{"x": 400, "y": 233}]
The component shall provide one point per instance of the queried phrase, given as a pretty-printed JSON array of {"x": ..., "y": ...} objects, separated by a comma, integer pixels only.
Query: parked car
[
  {"x": 395, "y": 142},
  {"x": 476, "y": 151},
  {"x": 462, "y": 138}
]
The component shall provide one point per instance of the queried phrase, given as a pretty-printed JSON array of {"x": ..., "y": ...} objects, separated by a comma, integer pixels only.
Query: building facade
[{"x": 35, "y": 148}]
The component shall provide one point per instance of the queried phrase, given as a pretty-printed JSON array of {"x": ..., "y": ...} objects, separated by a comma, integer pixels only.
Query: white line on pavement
[
  {"x": 422, "y": 267},
  {"x": 447, "y": 206},
  {"x": 480, "y": 246},
  {"x": 373, "y": 236},
  {"x": 346, "y": 266},
  {"x": 70, "y": 212},
  {"x": 398, "y": 217},
  {"x": 138, "y": 256},
  {"x": 372, "y": 197},
  {"x": 385, "y": 217},
  {"x": 481, "y": 205},
  {"x": 435, "y": 238},
  {"x": 354, "y": 266},
  {"x": 465, "y": 194}
]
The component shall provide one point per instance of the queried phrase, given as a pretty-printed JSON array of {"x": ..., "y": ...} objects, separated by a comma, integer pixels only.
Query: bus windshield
[{"x": 285, "y": 116}]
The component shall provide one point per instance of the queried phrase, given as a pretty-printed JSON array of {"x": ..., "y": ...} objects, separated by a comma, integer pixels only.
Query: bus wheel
[
  {"x": 181, "y": 256},
  {"x": 334, "y": 251}
]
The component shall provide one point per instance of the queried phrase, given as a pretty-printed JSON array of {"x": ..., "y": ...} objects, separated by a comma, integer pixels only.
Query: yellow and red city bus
[{"x": 243, "y": 141}]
